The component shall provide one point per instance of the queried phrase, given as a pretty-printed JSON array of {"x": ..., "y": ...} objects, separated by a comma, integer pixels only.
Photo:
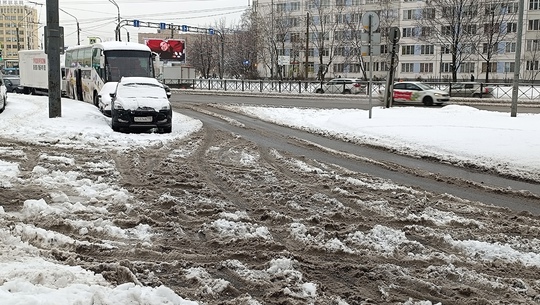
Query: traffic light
[{"x": 1, "y": 56}]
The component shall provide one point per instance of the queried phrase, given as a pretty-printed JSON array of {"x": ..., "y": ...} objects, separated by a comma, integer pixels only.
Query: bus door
[{"x": 78, "y": 85}]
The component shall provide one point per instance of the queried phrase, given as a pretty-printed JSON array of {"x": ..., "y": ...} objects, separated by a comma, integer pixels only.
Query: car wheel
[
  {"x": 3, "y": 105},
  {"x": 96, "y": 100},
  {"x": 319, "y": 90},
  {"x": 114, "y": 126},
  {"x": 346, "y": 91},
  {"x": 167, "y": 130},
  {"x": 428, "y": 101},
  {"x": 476, "y": 95}
]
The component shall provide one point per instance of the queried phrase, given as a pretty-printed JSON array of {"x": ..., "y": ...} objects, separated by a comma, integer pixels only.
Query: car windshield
[{"x": 424, "y": 86}]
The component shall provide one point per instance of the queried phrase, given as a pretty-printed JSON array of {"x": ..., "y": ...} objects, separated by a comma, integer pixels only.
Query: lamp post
[
  {"x": 78, "y": 29},
  {"x": 117, "y": 31}
]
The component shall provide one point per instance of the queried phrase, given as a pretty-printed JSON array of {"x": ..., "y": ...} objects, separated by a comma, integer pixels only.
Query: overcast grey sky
[{"x": 99, "y": 17}]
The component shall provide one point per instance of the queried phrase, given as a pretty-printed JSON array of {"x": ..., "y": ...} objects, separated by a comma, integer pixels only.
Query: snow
[{"x": 456, "y": 134}]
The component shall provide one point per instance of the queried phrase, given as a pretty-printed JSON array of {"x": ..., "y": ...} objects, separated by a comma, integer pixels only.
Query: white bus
[{"x": 89, "y": 67}]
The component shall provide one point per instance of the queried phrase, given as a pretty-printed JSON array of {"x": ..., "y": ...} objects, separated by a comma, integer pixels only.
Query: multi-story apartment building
[
  {"x": 468, "y": 39},
  {"x": 19, "y": 25}
]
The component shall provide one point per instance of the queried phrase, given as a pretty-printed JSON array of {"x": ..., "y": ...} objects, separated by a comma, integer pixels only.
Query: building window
[
  {"x": 534, "y": 25},
  {"x": 492, "y": 66},
  {"x": 510, "y": 47},
  {"x": 446, "y": 67},
  {"x": 466, "y": 67},
  {"x": 408, "y": 14},
  {"x": 532, "y": 45},
  {"x": 426, "y": 67},
  {"x": 509, "y": 67},
  {"x": 408, "y": 32},
  {"x": 407, "y": 50},
  {"x": 534, "y": 5},
  {"x": 407, "y": 67},
  {"x": 532, "y": 65},
  {"x": 511, "y": 27},
  {"x": 427, "y": 49}
]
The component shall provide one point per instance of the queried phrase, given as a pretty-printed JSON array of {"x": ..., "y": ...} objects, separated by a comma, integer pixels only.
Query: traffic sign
[
  {"x": 211, "y": 31},
  {"x": 375, "y": 50},
  {"x": 184, "y": 28},
  {"x": 136, "y": 23},
  {"x": 394, "y": 34},
  {"x": 375, "y": 37},
  {"x": 162, "y": 26},
  {"x": 374, "y": 21}
]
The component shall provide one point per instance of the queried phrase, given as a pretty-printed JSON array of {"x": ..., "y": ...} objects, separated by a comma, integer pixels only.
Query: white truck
[
  {"x": 177, "y": 75},
  {"x": 34, "y": 72}
]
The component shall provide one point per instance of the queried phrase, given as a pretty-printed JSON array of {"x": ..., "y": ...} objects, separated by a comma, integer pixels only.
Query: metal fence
[{"x": 499, "y": 90}]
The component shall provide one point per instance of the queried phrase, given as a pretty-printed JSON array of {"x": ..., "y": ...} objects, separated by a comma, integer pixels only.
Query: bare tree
[
  {"x": 274, "y": 25},
  {"x": 328, "y": 27},
  {"x": 452, "y": 24},
  {"x": 203, "y": 54},
  {"x": 497, "y": 21},
  {"x": 241, "y": 55}
]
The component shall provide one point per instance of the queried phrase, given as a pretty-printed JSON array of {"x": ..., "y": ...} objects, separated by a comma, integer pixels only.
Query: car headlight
[
  {"x": 118, "y": 106},
  {"x": 438, "y": 94},
  {"x": 167, "y": 107}
]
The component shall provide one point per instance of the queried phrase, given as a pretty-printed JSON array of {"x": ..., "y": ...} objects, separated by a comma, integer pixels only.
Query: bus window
[
  {"x": 96, "y": 61},
  {"x": 87, "y": 58}
]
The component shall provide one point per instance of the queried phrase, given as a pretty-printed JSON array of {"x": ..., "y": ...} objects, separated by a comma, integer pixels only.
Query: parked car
[
  {"x": 13, "y": 83},
  {"x": 167, "y": 90},
  {"x": 140, "y": 103},
  {"x": 104, "y": 97},
  {"x": 3, "y": 94},
  {"x": 470, "y": 89},
  {"x": 343, "y": 85},
  {"x": 419, "y": 92}
]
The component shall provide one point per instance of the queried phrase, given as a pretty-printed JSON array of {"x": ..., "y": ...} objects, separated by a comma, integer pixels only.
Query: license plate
[{"x": 144, "y": 119}]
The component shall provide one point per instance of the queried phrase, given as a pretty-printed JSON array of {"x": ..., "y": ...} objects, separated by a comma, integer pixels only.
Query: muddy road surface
[{"x": 230, "y": 221}]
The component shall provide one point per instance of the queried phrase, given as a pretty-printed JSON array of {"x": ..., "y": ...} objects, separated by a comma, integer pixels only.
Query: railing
[{"x": 501, "y": 91}]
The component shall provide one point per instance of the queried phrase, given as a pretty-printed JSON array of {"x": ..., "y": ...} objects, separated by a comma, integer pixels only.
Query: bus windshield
[{"x": 127, "y": 63}]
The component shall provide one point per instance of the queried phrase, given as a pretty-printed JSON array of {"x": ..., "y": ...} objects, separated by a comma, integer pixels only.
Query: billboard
[{"x": 168, "y": 49}]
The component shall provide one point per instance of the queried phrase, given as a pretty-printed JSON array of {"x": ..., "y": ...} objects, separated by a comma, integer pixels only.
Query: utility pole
[
  {"x": 78, "y": 29},
  {"x": 18, "y": 40},
  {"x": 272, "y": 41},
  {"x": 517, "y": 65},
  {"x": 306, "y": 70},
  {"x": 52, "y": 32},
  {"x": 117, "y": 32}
]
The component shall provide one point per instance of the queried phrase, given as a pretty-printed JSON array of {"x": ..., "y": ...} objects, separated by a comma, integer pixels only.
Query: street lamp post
[
  {"x": 78, "y": 29},
  {"x": 117, "y": 31}
]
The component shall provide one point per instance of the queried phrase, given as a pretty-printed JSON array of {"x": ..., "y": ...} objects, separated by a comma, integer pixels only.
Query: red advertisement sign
[
  {"x": 402, "y": 95},
  {"x": 168, "y": 49}
]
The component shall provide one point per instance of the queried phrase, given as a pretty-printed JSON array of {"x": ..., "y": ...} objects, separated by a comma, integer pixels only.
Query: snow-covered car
[
  {"x": 471, "y": 89},
  {"x": 419, "y": 92},
  {"x": 3, "y": 94},
  {"x": 140, "y": 103},
  {"x": 342, "y": 85},
  {"x": 167, "y": 90},
  {"x": 104, "y": 97}
]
